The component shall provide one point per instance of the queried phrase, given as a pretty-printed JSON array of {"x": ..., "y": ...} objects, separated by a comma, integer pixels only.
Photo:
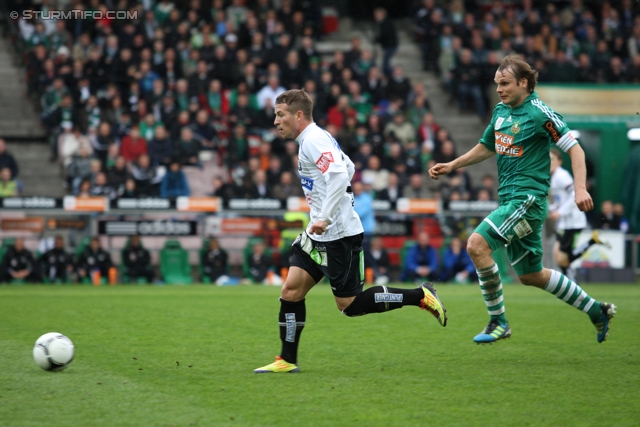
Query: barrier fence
[{"x": 192, "y": 221}]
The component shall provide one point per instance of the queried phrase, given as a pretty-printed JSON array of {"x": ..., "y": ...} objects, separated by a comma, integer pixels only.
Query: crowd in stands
[
  {"x": 576, "y": 41},
  {"x": 129, "y": 104}
]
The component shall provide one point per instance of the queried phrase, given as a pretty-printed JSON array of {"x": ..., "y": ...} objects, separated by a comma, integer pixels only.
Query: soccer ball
[{"x": 53, "y": 352}]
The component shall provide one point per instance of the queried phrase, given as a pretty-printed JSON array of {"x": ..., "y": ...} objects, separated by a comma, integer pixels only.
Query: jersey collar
[{"x": 306, "y": 130}]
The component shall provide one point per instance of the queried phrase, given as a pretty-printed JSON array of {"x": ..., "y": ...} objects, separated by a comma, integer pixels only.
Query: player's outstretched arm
[
  {"x": 477, "y": 154},
  {"x": 579, "y": 167}
]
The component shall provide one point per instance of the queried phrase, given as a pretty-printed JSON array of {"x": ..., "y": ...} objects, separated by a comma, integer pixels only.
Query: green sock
[
  {"x": 491, "y": 287},
  {"x": 570, "y": 292}
]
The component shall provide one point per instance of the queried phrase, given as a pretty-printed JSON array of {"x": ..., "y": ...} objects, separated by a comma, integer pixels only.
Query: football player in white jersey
[
  {"x": 331, "y": 246},
  {"x": 570, "y": 220}
]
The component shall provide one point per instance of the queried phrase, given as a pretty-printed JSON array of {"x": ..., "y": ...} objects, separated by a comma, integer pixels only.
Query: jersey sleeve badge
[{"x": 324, "y": 161}]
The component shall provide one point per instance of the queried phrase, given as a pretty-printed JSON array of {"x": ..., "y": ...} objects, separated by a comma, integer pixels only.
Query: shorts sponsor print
[{"x": 517, "y": 224}]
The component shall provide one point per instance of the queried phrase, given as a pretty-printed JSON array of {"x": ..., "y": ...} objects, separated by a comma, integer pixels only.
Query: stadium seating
[{"x": 174, "y": 264}]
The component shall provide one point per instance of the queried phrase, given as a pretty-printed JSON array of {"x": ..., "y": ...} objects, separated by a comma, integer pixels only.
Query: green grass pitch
[{"x": 183, "y": 356}]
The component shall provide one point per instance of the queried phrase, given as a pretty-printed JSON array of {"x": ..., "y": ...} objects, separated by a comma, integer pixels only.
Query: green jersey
[{"x": 521, "y": 138}]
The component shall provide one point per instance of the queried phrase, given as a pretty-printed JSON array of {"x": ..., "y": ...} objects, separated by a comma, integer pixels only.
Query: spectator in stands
[
  {"x": 137, "y": 261},
  {"x": 456, "y": 264},
  {"x": 117, "y": 175},
  {"x": 616, "y": 71},
  {"x": 421, "y": 262},
  {"x": 101, "y": 187},
  {"x": 56, "y": 263},
  {"x": 586, "y": 73},
  {"x": 101, "y": 142},
  {"x": 188, "y": 148},
  {"x": 204, "y": 132},
  {"x": 270, "y": 92},
  {"x": 373, "y": 173},
  {"x": 79, "y": 168},
  {"x": 400, "y": 129},
  {"x": 70, "y": 143},
  {"x": 398, "y": 85},
  {"x": 416, "y": 188},
  {"x": 489, "y": 185},
  {"x": 130, "y": 190},
  {"x": 133, "y": 145},
  {"x": 89, "y": 115},
  {"x": 259, "y": 263},
  {"x": 222, "y": 189},
  {"x": 393, "y": 191},
  {"x": 363, "y": 205},
  {"x": 561, "y": 70},
  {"x": 7, "y": 160},
  {"x": 63, "y": 114},
  {"x": 93, "y": 258},
  {"x": 8, "y": 186},
  {"x": 373, "y": 84},
  {"x": 274, "y": 170},
  {"x": 237, "y": 153},
  {"x": 337, "y": 115},
  {"x": 146, "y": 176},
  {"x": 260, "y": 189},
  {"x": 214, "y": 260},
  {"x": 607, "y": 219},
  {"x": 468, "y": 77},
  {"x": 386, "y": 36},
  {"x": 287, "y": 187},
  {"x": 618, "y": 209},
  {"x": 52, "y": 96},
  {"x": 161, "y": 148},
  {"x": 174, "y": 183},
  {"x": 18, "y": 264},
  {"x": 292, "y": 71},
  {"x": 446, "y": 153},
  {"x": 377, "y": 258}
]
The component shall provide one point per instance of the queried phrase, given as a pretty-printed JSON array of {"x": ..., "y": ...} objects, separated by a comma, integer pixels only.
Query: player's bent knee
[
  {"x": 533, "y": 279},
  {"x": 477, "y": 246},
  {"x": 344, "y": 303}
]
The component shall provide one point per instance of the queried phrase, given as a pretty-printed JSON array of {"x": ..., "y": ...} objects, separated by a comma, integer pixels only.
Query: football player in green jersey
[{"x": 520, "y": 134}]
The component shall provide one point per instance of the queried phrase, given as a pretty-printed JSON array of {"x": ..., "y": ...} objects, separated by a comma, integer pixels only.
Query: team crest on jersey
[
  {"x": 324, "y": 161},
  {"x": 306, "y": 182},
  {"x": 515, "y": 128},
  {"x": 499, "y": 123}
]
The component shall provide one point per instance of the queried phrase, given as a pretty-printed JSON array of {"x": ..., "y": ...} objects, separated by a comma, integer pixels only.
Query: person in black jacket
[
  {"x": 18, "y": 264},
  {"x": 378, "y": 259},
  {"x": 94, "y": 258},
  {"x": 214, "y": 260},
  {"x": 259, "y": 264},
  {"x": 387, "y": 37},
  {"x": 137, "y": 261},
  {"x": 56, "y": 263}
]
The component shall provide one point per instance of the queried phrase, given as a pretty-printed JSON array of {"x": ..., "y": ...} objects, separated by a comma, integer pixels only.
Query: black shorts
[
  {"x": 345, "y": 264},
  {"x": 567, "y": 239}
]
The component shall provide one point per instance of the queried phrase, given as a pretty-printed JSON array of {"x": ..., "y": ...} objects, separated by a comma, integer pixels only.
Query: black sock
[
  {"x": 564, "y": 270},
  {"x": 292, "y": 317},
  {"x": 577, "y": 252},
  {"x": 378, "y": 299}
]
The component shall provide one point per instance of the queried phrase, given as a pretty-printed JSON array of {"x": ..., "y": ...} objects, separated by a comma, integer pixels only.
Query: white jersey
[
  {"x": 571, "y": 217},
  {"x": 325, "y": 172}
]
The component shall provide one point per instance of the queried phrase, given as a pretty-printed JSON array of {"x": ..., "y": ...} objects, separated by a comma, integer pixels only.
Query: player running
[
  {"x": 570, "y": 220},
  {"x": 520, "y": 133},
  {"x": 332, "y": 244}
]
